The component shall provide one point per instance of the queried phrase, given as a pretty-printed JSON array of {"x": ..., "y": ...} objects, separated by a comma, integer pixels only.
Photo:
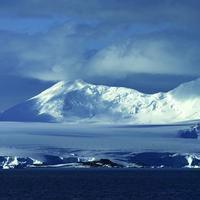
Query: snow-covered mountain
[{"x": 80, "y": 101}]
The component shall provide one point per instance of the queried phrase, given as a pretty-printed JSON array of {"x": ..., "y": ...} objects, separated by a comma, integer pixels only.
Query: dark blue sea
[{"x": 99, "y": 184}]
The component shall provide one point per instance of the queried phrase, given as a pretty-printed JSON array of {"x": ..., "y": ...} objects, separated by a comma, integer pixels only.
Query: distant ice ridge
[
  {"x": 9, "y": 162},
  {"x": 110, "y": 160},
  {"x": 80, "y": 101}
]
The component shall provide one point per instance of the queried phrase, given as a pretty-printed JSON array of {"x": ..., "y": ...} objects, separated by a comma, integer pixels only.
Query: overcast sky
[{"x": 149, "y": 45}]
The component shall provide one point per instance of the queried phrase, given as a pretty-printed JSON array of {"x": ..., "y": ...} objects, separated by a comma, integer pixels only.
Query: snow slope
[{"x": 80, "y": 101}]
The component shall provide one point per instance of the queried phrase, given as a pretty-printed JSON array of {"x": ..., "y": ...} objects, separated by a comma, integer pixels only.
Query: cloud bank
[{"x": 107, "y": 38}]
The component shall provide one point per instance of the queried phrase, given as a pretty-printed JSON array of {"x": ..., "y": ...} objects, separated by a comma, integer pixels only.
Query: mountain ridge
[{"x": 81, "y": 101}]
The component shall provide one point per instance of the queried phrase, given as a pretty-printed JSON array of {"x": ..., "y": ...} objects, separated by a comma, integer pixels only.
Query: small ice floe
[
  {"x": 193, "y": 132},
  {"x": 190, "y": 160},
  {"x": 36, "y": 162},
  {"x": 193, "y": 161}
]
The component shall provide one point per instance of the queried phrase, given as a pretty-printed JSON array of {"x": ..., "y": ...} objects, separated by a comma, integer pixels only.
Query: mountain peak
[
  {"x": 80, "y": 81},
  {"x": 61, "y": 87}
]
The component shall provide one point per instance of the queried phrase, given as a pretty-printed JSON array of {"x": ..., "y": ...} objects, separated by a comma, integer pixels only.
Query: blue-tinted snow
[
  {"x": 85, "y": 145},
  {"x": 28, "y": 138}
]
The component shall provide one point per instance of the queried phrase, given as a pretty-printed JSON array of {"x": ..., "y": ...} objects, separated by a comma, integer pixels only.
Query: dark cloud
[
  {"x": 75, "y": 51},
  {"x": 99, "y": 38},
  {"x": 110, "y": 10}
]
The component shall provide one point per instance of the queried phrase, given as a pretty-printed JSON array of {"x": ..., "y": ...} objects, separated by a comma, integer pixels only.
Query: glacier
[
  {"x": 78, "y": 101},
  {"x": 64, "y": 145}
]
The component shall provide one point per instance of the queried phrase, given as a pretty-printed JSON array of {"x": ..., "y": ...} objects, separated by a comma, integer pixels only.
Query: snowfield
[
  {"x": 25, "y": 145},
  {"x": 79, "y": 101}
]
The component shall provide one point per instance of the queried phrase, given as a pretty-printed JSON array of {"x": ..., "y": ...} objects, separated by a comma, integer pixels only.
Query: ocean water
[{"x": 99, "y": 184}]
